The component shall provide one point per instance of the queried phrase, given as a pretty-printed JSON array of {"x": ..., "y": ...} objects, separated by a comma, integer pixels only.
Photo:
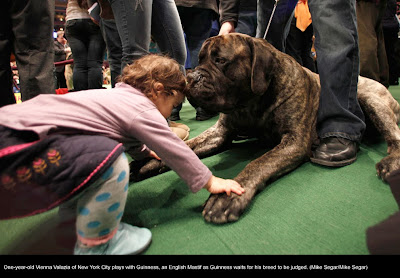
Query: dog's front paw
[
  {"x": 388, "y": 165},
  {"x": 222, "y": 208}
]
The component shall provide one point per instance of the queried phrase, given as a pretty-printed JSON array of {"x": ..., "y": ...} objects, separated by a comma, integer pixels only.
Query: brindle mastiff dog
[{"x": 264, "y": 93}]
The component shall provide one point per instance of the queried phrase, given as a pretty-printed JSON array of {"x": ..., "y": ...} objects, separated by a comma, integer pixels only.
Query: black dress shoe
[
  {"x": 202, "y": 114},
  {"x": 335, "y": 152},
  {"x": 175, "y": 115}
]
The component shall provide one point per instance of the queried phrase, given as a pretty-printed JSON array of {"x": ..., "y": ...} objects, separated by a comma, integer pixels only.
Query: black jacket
[
  {"x": 59, "y": 55},
  {"x": 229, "y": 9},
  {"x": 204, "y": 4}
]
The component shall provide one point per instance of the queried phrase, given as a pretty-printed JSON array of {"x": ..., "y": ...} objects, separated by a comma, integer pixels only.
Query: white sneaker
[{"x": 129, "y": 240}]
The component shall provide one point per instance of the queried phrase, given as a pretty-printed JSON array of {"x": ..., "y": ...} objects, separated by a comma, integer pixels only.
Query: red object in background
[{"x": 61, "y": 91}]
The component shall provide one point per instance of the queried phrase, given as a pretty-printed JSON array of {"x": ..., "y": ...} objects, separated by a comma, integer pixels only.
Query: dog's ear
[{"x": 261, "y": 65}]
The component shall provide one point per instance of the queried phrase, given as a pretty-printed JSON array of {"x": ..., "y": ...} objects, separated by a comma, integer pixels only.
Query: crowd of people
[{"x": 354, "y": 37}]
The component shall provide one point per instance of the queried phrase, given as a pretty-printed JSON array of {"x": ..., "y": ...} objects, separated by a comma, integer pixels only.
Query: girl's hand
[
  {"x": 154, "y": 155},
  {"x": 217, "y": 185}
]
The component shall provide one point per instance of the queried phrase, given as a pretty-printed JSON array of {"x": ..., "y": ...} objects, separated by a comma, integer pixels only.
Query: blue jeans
[
  {"x": 114, "y": 47},
  {"x": 280, "y": 24},
  {"x": 137, "y": 20},
  {"x": 197, "y": 25},
  {"x": 247, "y": 23},
  {"x": 334, "y": 22},
  {"x": 336, "y": 44},
  {"x": 88, "y": 48}
]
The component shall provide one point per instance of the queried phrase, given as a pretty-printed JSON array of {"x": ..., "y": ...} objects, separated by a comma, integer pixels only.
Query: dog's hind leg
[{"x": 383, "y": 111}]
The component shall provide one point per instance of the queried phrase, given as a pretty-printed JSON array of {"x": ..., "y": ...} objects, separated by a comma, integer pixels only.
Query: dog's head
[{"x": 233, "y": 69}]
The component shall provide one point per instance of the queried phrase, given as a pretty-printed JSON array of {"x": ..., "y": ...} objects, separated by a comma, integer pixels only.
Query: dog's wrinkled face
[
  {"x": 217, "y": 84},
  {"x": 224, "y": 79}
]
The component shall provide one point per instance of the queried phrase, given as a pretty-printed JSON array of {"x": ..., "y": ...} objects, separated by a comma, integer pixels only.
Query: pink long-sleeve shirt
[{"x": 123, "y": 114}]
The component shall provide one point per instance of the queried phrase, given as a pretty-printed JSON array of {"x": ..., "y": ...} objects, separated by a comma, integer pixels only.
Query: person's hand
[
  {"x": 217, "y": 185},
  {"x": 67, "y": 50},
  {"x": 226, "y": 28},
  {"x": 154, "y": 155},
  {"x": 95, "y": 21}
]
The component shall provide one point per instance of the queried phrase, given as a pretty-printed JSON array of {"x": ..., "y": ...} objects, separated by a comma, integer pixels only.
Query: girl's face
[{"x": 166, "y": 101}]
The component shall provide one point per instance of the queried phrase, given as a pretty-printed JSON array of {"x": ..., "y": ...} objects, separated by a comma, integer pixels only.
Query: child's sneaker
[{"x": 129, "y": 240}]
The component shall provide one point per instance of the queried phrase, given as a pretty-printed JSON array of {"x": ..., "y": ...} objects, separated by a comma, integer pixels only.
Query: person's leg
[
  {"x": 382, "y": 57},
  {"x": 33, "y": 46},
  {"x": 133, "y": 20},
  {"x": 168, "y": 33},
  {"x": 339, "y": 113},
  {"x": 167, "y": 30},
  {"x": 197, "y": 24},
  {"x": 280, "y": 21},
  {"x": 99, "y": 211},
  {"x": 61, "y": 82},
  {"x": 299, "y": 44},
  {"x": 308, "y": 60},
  {"x": 247, "y": 23},
  {"x": 294, "y": 42},
  {"x": 373, "y": 61},
  {"x": 77, "y": 40},
  {"x": 58, "y": 80},
  {"x": 114, "y": 47},
  {"x": 390, "y": 36},
  {"x": 95, "y": 57},
  {"x": 6, "y": 91}
]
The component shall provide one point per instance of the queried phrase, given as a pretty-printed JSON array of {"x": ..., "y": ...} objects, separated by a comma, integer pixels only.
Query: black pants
[
  {"x": 26, "y": 29},
  {"x": 391, "y": 42},
  {"x": 60, "y": 80},
  {"x": 299, "y": 44},
  {"x": 88, "y": 47}
]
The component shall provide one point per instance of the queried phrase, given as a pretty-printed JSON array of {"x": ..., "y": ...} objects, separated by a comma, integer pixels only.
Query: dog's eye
[{"x": 220, "y": 60}]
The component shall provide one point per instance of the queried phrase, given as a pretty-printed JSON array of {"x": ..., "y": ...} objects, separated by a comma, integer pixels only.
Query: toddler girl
[{"x": 59, "y": 148}]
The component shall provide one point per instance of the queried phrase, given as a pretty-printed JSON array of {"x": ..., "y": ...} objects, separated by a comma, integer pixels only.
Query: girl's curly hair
[{"x": 145, "y": 71}]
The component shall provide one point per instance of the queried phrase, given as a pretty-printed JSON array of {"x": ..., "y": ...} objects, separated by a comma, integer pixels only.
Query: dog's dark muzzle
[
  {"x": 194, "y": 76},
  {"x": 205, "y": 91},
  {"x": 199, "y": 90}
]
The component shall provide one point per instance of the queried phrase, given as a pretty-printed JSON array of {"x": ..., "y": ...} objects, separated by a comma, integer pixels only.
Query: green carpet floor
[{"x": 312, "y": 210}]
